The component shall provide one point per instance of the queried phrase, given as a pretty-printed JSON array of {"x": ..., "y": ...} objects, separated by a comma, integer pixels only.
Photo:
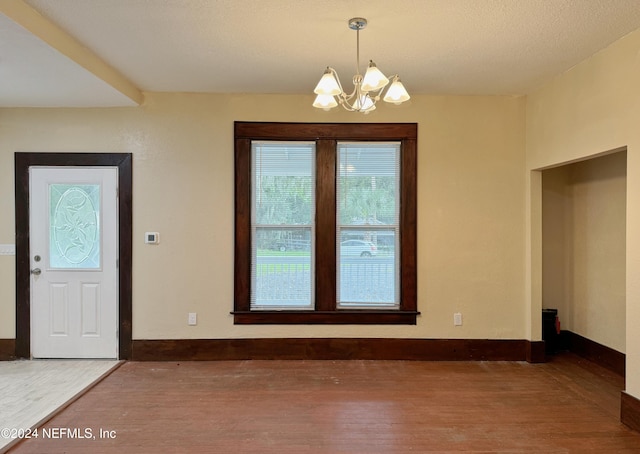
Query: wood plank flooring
[
  {"x": 30, "y": 391},
  {"x": 567, "y": 405}
]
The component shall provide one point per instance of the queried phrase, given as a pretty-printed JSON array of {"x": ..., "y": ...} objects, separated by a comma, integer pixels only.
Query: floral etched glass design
[{"x": 74, "y": 226}]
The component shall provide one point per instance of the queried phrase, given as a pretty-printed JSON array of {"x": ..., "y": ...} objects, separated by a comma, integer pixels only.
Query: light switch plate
[{"x": 7, "y": 249}]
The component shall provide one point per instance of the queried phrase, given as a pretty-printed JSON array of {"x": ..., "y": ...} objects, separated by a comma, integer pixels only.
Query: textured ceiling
[{"x": 283, "y": 46}]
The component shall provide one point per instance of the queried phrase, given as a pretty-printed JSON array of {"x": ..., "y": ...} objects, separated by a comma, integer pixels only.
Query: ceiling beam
[{"x": 30, "y": 19}]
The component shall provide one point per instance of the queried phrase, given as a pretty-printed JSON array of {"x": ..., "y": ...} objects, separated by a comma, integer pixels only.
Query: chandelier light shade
[{"x": 367, "y": 89}]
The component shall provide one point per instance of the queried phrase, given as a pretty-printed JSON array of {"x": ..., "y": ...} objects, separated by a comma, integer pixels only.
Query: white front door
[{"x": 74, "y": 251}]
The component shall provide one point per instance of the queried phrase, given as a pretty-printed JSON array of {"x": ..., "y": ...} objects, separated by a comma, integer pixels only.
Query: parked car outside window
[{"x": 358, "y": 248}]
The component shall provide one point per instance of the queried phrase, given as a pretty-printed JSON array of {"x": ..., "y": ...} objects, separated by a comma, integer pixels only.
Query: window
[
  {"x": 282, "y": 205},
  {"x": 325, "y": 223}
]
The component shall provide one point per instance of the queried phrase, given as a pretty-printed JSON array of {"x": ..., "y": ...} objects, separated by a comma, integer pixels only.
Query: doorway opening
[
  {"x": 123, "y": 162},
  {"x": 584, "y": 255}
]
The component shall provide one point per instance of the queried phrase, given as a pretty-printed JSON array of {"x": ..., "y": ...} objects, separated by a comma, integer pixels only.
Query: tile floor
[{"x": 32, "y": 391}]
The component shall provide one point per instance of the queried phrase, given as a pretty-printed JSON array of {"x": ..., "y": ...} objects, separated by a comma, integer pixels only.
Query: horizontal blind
[
  {"x": 283, "y": 207},
  {"x": 368, "y": 225}
]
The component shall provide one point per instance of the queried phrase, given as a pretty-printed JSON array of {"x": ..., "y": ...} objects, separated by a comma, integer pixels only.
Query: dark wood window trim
[{"x": 326, "y": 136}]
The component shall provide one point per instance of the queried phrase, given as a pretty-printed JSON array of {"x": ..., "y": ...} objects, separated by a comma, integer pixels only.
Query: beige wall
[
  {"x": 591, "y": 109},
  {"x": 583, "y": 264},
  {"x": 479, "y": 207},
  {"x": 470, "y": 211}
]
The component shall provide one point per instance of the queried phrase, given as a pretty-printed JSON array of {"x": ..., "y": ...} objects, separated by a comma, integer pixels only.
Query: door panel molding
[{"x": 123, "y": 161}]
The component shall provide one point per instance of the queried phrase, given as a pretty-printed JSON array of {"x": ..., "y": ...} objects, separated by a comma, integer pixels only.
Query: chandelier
[{"x": 367, "y": 90}]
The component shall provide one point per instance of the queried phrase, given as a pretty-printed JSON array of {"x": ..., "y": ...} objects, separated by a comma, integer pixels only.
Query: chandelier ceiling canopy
[{"x": 367, "y": 89}]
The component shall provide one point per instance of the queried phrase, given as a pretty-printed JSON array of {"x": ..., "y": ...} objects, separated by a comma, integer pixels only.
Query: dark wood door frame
[{"x": 123, "y": 161}]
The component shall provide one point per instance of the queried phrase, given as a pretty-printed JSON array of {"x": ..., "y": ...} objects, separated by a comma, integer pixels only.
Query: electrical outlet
[
  {"x": 457, "y": 319},
  {"x": 193, "y": 319}
]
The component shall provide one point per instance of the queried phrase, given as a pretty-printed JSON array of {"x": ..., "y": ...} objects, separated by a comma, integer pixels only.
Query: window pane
[
  {"x": 282, "y": 225},
  {"x": 368, "y": 225},
  {"x": 368, "y": 183},
  {"x": 74, "y": 226},
  {"x": 282, "y": 269},
  {"x": 283, "y": 183}
]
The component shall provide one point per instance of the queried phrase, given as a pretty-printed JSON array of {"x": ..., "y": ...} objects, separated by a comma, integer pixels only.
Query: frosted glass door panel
[{"x": 74, "y": 226}]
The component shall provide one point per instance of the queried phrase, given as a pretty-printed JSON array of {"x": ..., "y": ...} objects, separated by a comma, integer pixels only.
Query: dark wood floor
[{"x": 565, "y": 405}]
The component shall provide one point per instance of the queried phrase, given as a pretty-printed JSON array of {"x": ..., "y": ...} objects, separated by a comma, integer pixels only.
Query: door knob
[{"x": 36, "y": 271}]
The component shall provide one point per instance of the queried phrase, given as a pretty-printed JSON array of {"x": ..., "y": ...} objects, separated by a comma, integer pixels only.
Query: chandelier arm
[
  {"x": 345, "y": 99},
  {"x": 378, "y": 93},
  {"x": 348, "y": 107},
  {"x": 358, "y": 104},
  {"x": 353, "y": 94},
  {"x": 392, "y": 79},
  {"x": 337, "y": 78}
]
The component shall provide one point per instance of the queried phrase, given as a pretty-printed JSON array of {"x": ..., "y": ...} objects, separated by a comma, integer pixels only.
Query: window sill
[{"x": 352, "y": 317}]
